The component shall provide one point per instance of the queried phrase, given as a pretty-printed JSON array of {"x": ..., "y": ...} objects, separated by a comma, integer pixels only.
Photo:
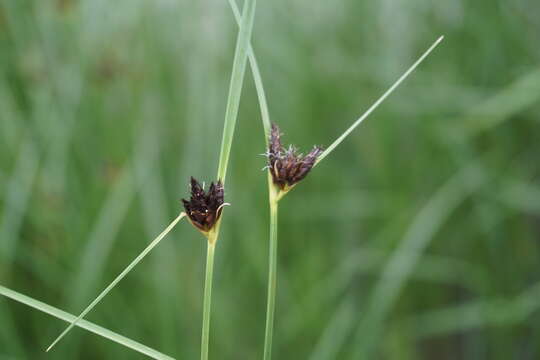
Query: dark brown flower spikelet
[
  {"x": 204, "y": 208},
  {"x": 287, "y": 166}
]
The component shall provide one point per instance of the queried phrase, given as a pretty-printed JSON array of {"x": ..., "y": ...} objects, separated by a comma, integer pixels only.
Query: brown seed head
[
  {"x": 204, "y": 208},
  {"x": 287, "y": 166}
]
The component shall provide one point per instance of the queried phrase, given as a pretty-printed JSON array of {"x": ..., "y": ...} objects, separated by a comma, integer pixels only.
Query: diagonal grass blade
[
  {"x": 379, "y": 101},
  {"x": 118, "y": 278},
  {"x": 96, "y": 329}
]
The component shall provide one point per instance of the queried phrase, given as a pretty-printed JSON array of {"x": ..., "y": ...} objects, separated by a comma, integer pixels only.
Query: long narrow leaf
[
  {"x": 257, "y": 78},
  {"x": 235, "y": 89},
  {"x": 265, "y": 115},
  {"x": 118, "y": 278},
  {"x": 379, "y": 101},
  {"x": 231, "y": 115},
  {"x": 96, "y": 329}
]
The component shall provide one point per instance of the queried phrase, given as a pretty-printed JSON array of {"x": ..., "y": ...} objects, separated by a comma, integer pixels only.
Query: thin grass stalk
[
  {"x": 272, "y": 271},
  {"x": 83, "y": 324},
  {"x": 273, "y": 199},
  {"x": 275, "y": 195},
  {"x": 130, "y": 267},
  {"x": 379, "y": 101},
  {"x": 257, "y": 78},
  {"x": 231, "y": 115},
  {"x": 230, "y": 121},
  {"x": 235, "y": 88},
  {"x": 207, "y": 304}
]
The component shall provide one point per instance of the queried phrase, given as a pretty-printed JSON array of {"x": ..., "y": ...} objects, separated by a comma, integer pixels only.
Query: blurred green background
[{"x": 418, "y": 238}]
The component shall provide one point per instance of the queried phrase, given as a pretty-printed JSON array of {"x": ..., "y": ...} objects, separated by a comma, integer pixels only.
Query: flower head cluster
[
  {"x": 286, "y": 165},
  {"x": 204, "y": 208}
]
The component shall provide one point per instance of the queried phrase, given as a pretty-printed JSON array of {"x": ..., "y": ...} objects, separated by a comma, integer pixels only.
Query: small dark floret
[
  {"x": 287, "y": 166},
  {"x": 204, "y": 208}
]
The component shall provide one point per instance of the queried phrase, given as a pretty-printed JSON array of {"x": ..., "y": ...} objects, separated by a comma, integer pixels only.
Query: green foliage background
[{"x": 417, "y": 239}]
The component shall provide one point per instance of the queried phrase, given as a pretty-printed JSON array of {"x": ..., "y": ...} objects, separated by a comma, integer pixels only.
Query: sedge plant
[
  {"x": 287, "y": 167},
  {"x": 231, "y": 114},
  {"x": 204, "y": 208}
]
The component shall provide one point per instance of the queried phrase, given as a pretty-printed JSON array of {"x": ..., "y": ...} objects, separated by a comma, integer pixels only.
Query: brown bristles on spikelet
[{"x": 287, "y": 166}]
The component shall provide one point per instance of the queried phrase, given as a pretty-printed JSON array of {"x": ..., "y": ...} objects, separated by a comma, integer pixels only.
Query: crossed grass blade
[
  {"x": 83, "y": 324},
  {"x": 115, "y": 282}
]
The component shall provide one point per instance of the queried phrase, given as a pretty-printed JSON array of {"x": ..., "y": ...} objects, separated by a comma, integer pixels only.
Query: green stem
[
  {"x": 257, "y": 78},
  {"x": 237, "y": 80},
  {"x": 378, "y": 102},
  {"x": 115, "y": 282},
  {"x": 231, "y": 114},
  {"x": 207, "y": 299},
  {"x": 272, "y": 274},
  {"x": 62, "y": 315}
]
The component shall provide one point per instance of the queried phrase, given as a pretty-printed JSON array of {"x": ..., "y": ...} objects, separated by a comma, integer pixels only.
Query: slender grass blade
[
  {"x": 235, "y": 90},
  {"x": 378, "y": 102},
  {"x": 96, "y": 329},
  {"x": 141, "y": 256}
]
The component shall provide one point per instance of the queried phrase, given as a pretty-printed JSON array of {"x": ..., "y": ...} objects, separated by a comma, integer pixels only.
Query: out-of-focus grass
[{"x": 106, "y": 109}]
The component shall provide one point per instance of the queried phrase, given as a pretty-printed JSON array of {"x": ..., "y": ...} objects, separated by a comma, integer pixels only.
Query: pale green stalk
[
  {"x": 235, "y": 89},
  {"x": 231, "y": 115},
  {"x": 273, "y": 199},
  {"x": 138, "y": 259},
  {"x": 230, "y": 121},
  {"x": 378, "y": 102},
  {"x": 275, "y": 195},
  {"x": 257, "y": 78},
  {"x": 272, "y": 270},
  {"x": 205, "y": 338},
  {"x": 62, "y": 315}
]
